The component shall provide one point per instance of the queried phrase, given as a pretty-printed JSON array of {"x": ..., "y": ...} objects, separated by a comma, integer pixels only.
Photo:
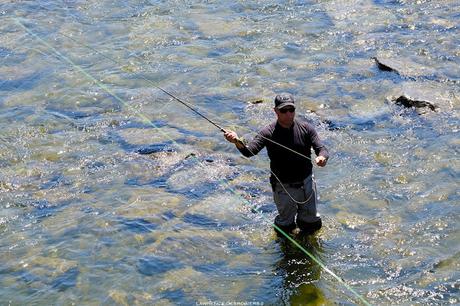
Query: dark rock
[
  {"x": 256, "y": 101},
  {"x": 190, "y": 155},
  {"x": 410, "y": 102},
  {"x": 385, "y": 66},
  {"x": 426, "y": 95},
  {"x": 153, "y": 148}
]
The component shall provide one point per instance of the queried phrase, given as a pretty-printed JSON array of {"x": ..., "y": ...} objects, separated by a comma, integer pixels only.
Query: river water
[{"x": 111, "y": 192}]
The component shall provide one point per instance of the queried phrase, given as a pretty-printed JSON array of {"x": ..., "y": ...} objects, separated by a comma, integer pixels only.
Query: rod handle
[{"x": 238, "y": 140}]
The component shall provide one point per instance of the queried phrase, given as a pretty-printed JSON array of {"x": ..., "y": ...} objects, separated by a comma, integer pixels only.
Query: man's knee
[{"x": 309, "y": 227}]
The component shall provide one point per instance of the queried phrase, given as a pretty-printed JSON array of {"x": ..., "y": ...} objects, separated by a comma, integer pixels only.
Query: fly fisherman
[{"x": 291, "y": 172}]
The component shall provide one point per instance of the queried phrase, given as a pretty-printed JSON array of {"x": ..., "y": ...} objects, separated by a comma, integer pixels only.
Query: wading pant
[{"x": 290, "y": 212}]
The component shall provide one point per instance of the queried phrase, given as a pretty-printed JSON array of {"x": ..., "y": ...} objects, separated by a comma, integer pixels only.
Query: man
[{"x": 289, "y": 142}]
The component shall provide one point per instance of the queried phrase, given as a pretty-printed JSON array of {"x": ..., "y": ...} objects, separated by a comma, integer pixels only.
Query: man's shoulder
[
  {"x": 304, "y": 124},
  {"x": 269, "y": 128}
]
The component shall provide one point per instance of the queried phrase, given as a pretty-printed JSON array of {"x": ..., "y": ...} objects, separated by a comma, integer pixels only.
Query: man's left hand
[{"x": 321, "y": 161}]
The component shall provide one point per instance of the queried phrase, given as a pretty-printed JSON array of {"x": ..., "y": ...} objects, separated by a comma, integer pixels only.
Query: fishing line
[
  {"x": 102, "y": 86},
  {"x": 193, "y": 108}
]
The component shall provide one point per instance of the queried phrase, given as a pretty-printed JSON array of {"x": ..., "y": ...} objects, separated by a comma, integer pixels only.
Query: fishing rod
[
  {"x": 191, "y": 108},
  {"x": 238, "y": 140}
]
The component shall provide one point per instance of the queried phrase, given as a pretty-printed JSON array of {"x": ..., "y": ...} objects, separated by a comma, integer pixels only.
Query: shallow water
[{"x": 87, "y": 217}]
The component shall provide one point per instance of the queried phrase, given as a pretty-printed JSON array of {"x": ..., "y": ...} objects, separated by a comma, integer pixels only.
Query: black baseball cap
[{"x": 283, "y": 100}]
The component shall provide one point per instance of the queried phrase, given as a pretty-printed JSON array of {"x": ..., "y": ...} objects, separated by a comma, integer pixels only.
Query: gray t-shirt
[{"x": 288, "y": 166}]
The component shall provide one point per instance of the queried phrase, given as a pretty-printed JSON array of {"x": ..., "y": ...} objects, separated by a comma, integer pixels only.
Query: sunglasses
[{"x": 285, "y": 110}]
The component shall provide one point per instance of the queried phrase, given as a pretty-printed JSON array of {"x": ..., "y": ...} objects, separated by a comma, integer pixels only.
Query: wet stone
[
  {"x": 385, "y": 65},
  {"x": 256, "y": 101},
  {"x": 410, "y": 102},
  {"x": 156, "y": 169},
  {"x": 429, "y": 96},
  {"x": 153, "y": 148}
]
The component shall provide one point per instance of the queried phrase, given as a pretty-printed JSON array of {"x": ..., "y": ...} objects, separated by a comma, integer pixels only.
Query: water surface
[{"x": 88, "y": 217}]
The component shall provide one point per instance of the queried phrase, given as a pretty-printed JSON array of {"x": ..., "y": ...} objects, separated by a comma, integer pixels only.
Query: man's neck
[{"x": 285, "y": 126}]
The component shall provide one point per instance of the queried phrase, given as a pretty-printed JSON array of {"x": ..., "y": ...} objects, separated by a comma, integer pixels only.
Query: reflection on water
[
  {"x": 134, "y": 199},
  {"x": 299, "y": 272}
]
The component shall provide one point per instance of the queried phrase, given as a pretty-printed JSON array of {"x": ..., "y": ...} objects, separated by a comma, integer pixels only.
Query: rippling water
[{"x": 112, "y": 192}]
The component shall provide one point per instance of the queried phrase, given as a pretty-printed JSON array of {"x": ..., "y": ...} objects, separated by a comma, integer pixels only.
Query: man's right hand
[
  {"x": 231, "y": 136},
  {"x": 321, "y": 161}
]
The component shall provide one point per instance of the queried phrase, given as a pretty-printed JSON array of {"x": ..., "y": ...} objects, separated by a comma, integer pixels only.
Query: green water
[{"x": 86, "y": 219}]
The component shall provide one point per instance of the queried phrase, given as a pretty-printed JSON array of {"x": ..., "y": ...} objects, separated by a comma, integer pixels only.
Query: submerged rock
[
  {"x": 119, "y": 297},
  {"x": 153, "y": 265},
  {"x": 145, "y": 138},
  {"x": 148, "y": 207},
  {"x": 154, "y": 148}
]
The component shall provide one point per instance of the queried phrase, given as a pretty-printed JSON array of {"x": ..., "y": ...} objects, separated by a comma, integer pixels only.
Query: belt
[{"x": 294, "y": 185}]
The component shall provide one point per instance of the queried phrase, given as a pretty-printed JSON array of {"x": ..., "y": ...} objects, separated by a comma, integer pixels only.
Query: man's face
[{"x": 285, "y": 115}]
